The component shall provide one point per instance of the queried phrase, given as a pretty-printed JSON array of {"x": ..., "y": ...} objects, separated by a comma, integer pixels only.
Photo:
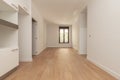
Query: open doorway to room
[
  {"x": 34, "y": 37},
  {"x": 83, "y": 33}
]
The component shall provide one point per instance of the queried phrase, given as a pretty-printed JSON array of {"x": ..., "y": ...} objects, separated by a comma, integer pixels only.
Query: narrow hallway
[{"x": 59, "y": 64}]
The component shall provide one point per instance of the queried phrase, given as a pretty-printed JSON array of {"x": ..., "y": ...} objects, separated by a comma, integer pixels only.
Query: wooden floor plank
[{"x": 59, "y": 64}]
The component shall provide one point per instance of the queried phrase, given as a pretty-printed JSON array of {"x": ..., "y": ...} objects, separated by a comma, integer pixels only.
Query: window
[{"x": 63, "y": 34}]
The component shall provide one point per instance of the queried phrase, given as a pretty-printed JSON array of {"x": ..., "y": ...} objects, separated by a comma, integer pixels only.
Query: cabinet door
[{"x": 8, "y": 61}]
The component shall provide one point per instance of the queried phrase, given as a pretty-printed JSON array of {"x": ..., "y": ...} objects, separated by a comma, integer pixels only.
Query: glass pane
[
  {"x": 61, "y": 35},
  {"x": 66, "y": 36}
]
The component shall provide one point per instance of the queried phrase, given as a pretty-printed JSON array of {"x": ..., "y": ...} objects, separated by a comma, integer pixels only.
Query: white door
[{"x": 34, "y": 37}]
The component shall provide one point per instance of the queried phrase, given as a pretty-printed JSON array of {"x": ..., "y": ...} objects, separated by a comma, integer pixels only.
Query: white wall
[
  {"x": 25, "y": 32},
  {"x": 83, "y": 33},
  {"x": 41, "y": 28},
  {"x": 25, "y": 38},
  {"x": 76, "y": 28},
  {"x": 53, "y": 36},
  {"x": 25, "y": 35},
  {"x": 75, "y": 34},
  {"x": 104, "y": 28}
]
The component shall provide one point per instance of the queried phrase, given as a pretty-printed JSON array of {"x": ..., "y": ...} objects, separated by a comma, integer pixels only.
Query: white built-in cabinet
[
  {"x": 8, "y": 5},
  {"x": 15, "y": 33},
  {"x": 9, "y": 13},
  {"x": 9, "y": 51}
]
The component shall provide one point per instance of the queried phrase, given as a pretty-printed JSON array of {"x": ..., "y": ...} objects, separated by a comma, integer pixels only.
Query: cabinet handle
[
  {"x": 14, "y": 5},
  {"x": 14, "y": 50}
]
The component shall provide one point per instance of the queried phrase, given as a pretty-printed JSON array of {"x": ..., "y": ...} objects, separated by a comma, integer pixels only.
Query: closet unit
[
  {"x": 9, "y": 51},
  {"x": 15, "y": 34}
]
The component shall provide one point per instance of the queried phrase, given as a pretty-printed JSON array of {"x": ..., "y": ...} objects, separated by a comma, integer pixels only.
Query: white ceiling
[{"x": 60, "y": 11}]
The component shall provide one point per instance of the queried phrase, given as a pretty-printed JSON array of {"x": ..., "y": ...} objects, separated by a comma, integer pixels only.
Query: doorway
[{"x": 34, "y": 37}]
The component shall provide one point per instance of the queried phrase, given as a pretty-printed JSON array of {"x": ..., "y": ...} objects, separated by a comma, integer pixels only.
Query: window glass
[
  {"x": 64, "y": 34},
  {"x": 61, "y": 35}
]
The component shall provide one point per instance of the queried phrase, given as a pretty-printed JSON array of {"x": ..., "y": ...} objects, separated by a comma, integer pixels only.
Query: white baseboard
[
  {"x": 83, "y": 52},
  {"x": 41, "y": 51},
  {"x": 113, "y": 73},
  {"x": 59, "y": 46},
  {"x": 26, "y": 60}
]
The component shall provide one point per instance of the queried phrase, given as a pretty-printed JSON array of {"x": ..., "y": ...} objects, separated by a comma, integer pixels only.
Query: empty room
[{"x": 59, "y": 40}]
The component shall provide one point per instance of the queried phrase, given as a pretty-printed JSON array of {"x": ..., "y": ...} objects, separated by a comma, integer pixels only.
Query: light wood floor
[{"x": 59, "y": 64}]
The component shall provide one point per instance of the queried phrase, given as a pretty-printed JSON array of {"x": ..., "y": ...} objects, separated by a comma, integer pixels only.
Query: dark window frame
[{"x": 67, "y": 27}]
